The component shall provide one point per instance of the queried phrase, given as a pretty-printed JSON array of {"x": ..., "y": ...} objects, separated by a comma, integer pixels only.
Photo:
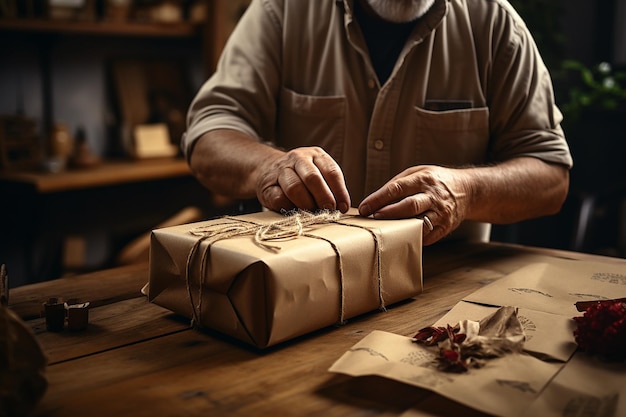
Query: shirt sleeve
[
  {"x": 242, "y": 93},
  {"x": 525, "y": 120}
]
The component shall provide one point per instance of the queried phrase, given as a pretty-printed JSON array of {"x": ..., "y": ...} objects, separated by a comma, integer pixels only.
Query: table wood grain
[{"x": 138, "y": 359}]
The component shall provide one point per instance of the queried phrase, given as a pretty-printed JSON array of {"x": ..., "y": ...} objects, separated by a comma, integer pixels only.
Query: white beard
[{"x": 400, "y": 11}]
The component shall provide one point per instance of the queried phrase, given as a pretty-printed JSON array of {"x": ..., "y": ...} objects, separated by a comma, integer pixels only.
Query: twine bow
[{"x": 294, "y": 224}]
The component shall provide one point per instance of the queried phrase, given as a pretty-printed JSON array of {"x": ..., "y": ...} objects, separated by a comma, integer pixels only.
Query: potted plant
[{"x": 599, "y": 89}]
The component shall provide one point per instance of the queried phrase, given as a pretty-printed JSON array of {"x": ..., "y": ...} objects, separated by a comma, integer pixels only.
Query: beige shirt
[{"x": 468, "y": 88}]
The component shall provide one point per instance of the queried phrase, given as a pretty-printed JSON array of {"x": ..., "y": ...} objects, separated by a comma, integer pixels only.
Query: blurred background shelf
[
  {"x": 61, "y": 68},
  {"x": 102, "y": 28}
]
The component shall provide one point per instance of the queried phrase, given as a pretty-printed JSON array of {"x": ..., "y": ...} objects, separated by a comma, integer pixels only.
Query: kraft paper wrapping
[{"x": 263, "y": 296}]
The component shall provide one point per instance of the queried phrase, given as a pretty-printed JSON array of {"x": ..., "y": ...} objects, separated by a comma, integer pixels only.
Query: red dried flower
[
  {"x": 601, "y": 330},
  {"x": 431, "y": 335},
  {"x": 450, "y": 357}
]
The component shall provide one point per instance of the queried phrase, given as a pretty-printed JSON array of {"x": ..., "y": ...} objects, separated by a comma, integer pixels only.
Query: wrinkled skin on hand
[
  {"x": 440, "y": 193},
  {"x": 305, "y": 178}
]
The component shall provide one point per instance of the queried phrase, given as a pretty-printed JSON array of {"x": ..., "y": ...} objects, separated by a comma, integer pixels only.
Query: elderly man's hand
[
  {"x": 441, "y": 194},
  {"x": 304, "y": 178}
]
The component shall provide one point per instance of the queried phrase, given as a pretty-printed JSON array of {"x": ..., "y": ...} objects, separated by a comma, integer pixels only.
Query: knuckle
[
  {"x": 290, "y": 188},
  {"x": 273, "y": 198},
  {"x": 318, "y": 151},
  {"x": 334, "y": 173},
  {"x": 394, "y": 189},
  {"x": 414, "y": 205},
  {"x": 310, "y": 176},
  {"x": 294, "y": 191}
]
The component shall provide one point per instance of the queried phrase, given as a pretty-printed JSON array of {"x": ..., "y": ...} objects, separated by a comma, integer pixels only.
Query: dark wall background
[{"x": 593, "y": 217}]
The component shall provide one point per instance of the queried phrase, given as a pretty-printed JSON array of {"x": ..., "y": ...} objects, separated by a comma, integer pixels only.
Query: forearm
[
  {"x": 231, "y": 163},
  {"x": 516, "y": 190},
  {"x": 226, "y": 162}
]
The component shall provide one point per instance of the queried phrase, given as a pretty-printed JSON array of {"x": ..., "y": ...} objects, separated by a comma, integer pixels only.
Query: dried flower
[
  {"x": 601, "y": 330},
  {"x": 469, "y": 343},
  {"x": 449, "y": 339}
]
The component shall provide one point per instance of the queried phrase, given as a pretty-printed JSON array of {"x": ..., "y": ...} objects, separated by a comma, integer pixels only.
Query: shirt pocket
[
  {"x": 305, "y": 120},
  {"x": 452, "y": 137}
]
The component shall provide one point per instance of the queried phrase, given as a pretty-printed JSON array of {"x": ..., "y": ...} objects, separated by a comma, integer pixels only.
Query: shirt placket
[{"x": 378, "y": 157}]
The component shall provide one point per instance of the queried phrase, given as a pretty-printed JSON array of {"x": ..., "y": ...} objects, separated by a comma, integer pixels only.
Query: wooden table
[{"x": 137, "y": 359}]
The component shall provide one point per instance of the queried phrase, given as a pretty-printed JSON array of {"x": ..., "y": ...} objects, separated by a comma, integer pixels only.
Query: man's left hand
[{"x": 437, "y": 193}]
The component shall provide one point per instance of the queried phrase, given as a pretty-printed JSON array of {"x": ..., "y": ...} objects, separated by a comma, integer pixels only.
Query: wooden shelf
[
  {"x": 102, "y": 28},
  {"x": 109, "y": 173}
]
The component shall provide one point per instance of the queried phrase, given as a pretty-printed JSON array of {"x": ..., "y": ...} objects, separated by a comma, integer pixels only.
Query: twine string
[
  {"x": 342, "y": 304},
  {"x": 293, "y": 225}
]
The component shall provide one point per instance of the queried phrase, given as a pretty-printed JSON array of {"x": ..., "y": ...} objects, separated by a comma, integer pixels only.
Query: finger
[
  {"x": 428, "y": 224},
  {"x": 292, "y": 185},
  {"x": 273, "y": 198},
  {"x": 432, "y": 236},
  {"x": 389, "y": 194},
  {"x": 334, "y": 179},
  {"x": 411, "y": 206},
  {"x": 314, "y": 183},
  {"x": 270, "y": 194},
  {"x": 439, "y": 228}
]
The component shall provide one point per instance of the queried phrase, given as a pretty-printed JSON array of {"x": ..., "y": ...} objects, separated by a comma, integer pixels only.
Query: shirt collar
[
  {"x": 433, "y": 16},
  {"x": 428, "y": 22}
]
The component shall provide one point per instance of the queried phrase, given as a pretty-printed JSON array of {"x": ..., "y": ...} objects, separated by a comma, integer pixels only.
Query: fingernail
[
  {"x": 365, "y": 210},
  {"x": 343, "y": 207}
]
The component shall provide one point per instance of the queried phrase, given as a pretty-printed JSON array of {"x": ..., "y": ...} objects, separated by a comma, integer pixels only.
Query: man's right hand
[{"x": 304, "y": 178}]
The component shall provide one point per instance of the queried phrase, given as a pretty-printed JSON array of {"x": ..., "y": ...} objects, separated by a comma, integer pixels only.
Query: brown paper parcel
[{"x": 264, "y": 297}]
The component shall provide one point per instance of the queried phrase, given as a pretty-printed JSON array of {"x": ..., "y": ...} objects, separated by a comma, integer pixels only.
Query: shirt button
[
  {"x": 379, "y": 145},
  {"x": 371, "y": 83}
]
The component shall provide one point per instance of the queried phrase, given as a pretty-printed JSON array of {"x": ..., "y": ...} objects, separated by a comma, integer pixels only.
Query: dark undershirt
[{"x": 384, "y": 40}]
